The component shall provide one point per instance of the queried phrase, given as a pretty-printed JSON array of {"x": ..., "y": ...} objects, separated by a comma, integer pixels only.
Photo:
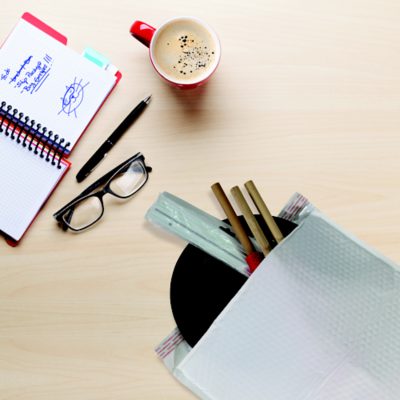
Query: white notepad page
[
  {"x": 318, "y": 320},
  {"x": 26, "y": 181},
  {"x": 51, "y": 83}
]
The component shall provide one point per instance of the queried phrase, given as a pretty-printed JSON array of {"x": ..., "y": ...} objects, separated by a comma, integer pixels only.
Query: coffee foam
[{"x": 184, "y": 50}]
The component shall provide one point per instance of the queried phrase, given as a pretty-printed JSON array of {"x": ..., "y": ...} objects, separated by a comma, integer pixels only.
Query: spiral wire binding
[{"x": 32, "y": 135}]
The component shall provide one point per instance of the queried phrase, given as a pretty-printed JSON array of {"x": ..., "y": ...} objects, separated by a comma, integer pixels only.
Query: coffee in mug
[{"x": 184, "y": 50}]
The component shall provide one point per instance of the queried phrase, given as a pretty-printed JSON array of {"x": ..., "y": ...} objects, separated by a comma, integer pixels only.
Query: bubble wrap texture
[{"x": 318, "y": 320}]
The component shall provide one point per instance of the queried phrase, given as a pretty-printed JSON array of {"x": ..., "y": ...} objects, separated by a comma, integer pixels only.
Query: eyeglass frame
[{"x": 64, "y": 214}]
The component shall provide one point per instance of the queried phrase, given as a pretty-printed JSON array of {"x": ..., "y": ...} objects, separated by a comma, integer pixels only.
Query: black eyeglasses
[{"x": 123, "y": 182}]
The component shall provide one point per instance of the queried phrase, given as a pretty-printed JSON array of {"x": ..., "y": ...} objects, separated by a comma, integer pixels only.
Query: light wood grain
[{"x": 306, "y": 99}]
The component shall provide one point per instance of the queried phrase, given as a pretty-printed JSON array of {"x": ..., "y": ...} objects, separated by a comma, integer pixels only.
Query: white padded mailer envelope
[{"x": 318, "y": 320}]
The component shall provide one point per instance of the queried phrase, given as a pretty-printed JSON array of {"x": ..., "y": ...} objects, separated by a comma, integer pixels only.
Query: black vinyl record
[{"x": 201, "y": 286}]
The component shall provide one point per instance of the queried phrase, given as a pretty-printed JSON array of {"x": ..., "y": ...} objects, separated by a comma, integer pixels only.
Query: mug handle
[{"x": 142, "y": 32}]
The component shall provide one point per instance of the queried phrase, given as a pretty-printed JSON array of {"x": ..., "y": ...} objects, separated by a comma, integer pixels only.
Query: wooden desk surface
[{"x": 306, "y": 99}]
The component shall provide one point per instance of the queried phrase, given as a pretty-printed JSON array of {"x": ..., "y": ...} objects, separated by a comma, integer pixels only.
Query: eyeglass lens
[
  {"x": 85, "y": 213},
  {"x": 129, "y": 180}
]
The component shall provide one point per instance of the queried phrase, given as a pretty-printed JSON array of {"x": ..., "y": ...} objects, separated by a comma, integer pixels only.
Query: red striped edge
[
  {"x": 294, "y": 207},
  {"x": 169, "y": 343}
]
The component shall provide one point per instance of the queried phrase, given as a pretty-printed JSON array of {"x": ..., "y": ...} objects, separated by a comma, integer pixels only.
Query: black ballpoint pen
[{"x": 102, "y": 151}]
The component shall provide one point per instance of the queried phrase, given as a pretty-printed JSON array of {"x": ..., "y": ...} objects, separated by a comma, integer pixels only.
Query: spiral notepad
[{"x": 48, "y": 96}]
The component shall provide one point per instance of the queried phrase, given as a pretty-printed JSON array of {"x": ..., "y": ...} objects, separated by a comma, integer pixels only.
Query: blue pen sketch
[
  {"x": 30, "y": 75},
  {"x": 5, "y": 74},
  {"x": 73, "y": 97},
  {"x": 20, "y": 69}
]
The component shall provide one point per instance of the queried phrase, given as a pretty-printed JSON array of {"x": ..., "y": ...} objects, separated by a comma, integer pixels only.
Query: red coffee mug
[{"x": 148, "y": 35}]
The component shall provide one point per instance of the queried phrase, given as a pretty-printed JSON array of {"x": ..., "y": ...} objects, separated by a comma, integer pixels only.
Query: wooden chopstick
[
  {"x": 263, "y": 210},
  {"x": 251, "y": 220},
  {"x": 232, "y": 218}
]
